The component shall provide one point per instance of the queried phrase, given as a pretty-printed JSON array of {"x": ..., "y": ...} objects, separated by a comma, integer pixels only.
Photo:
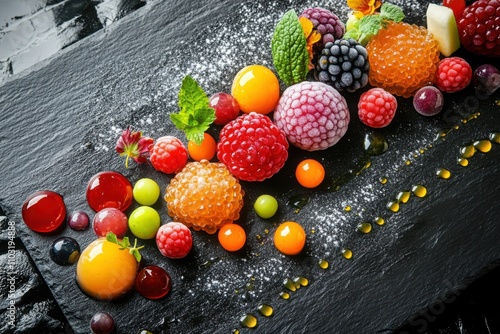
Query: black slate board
[{"x": 60, "y": 123}]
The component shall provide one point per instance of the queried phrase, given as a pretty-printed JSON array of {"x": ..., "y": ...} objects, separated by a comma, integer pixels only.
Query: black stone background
[{"x": 468, "y": 253}]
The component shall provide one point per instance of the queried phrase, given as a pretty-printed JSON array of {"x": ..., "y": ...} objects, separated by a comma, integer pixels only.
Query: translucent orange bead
[
  {"x": 290, "y": 238},
  {"x": 205, "y": 150},
  {"x": 310, "y": 173},
  {"x": 232, "y": 237}
]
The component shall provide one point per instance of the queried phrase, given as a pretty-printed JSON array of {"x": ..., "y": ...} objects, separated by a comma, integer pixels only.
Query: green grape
[
  {"x": 266, "y": 206},
  {"x": 144, "y": 222},
  {"x": 146, "y": 191}
]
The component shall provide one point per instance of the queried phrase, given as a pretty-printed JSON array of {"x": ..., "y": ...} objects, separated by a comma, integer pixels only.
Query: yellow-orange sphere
[
  {"x": 290, "y": 238},
  {"x": 256, "y": 88}
]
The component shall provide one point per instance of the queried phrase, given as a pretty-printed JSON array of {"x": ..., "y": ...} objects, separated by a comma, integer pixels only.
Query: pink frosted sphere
[{"x": 313, "y": 115}]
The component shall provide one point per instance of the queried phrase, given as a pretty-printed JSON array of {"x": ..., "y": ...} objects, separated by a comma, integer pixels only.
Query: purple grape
[
  {"x": 428, "y": 101},
  {"x": 78, "y": 221},
  {"x": 486, "y": 79},
  {"x": 102, "y": 323}
]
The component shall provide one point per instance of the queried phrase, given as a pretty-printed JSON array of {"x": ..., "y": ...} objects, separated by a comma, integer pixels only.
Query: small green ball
[
  {"x": 266, "y": 206},
  {"x": 144, "y": 222},
  {"x": 146, "y": 191}
]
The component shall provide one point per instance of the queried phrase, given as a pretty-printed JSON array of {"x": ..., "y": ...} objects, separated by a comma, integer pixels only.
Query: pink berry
[
  {"x": 168, "y": 155},
  {"x": 110, "y": 220},
  {"x": 174, "y": 240},
  {"x": 453, "y": 74},
  {"x": 313, "y": 115},
  {"x": 226, "y": 108},
  {"x": 377, "y": 107}
]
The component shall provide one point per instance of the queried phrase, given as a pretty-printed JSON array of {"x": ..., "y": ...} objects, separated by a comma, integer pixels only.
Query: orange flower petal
[{"x": 307, "y": 25}]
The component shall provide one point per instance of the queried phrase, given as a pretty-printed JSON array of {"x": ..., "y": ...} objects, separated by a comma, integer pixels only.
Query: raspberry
[
  {"x": 174, "y": 240},
  {"x": 204, "y": 195},
  {"x": 376, "y": 107},
  {"x": 168, "y": 155},
  {"x": 313, "y": 115},
  {"x": 252, "y": 147},
  {"x": 343, "y": 64},
  {"x": 326, "y": 23},
  {"x": 453, "y": 74},
  {"x": 478, "y": 28}
]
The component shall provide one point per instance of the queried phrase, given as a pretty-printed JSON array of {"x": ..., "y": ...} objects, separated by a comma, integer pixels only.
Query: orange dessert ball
[
  {"x": 256, "y": 88},
  {"x": 104, "y": 271},
  {"x": 290, "y": 238},
  {"x": 203, "y": 151},
  {"x": 232, "y": 237},
  {"x": 310, "y": 173}
]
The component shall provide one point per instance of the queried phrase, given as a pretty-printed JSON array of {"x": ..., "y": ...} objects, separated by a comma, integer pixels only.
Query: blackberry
[{"x": 344, "y": 65}]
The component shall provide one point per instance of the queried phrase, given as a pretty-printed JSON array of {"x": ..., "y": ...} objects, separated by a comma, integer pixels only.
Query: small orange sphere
[
  {"x": 310, "y": 173},
  {"x": 232, "y": 237},
  {"x": 256, "y": 88},
  {"x": 290, "y": 238},
  {"x": 205, "y": 150}
]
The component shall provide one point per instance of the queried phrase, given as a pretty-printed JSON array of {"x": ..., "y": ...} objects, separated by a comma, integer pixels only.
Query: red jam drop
[
  {"x": 44, "y": 211},
  {"x": 109, "y": 190},
  {"x": 153, "y": 282}
]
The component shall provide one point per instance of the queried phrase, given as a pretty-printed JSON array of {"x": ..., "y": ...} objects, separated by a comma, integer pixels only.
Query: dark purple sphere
[
  {"x": 78, "y": 221},
  {"x": 428, "y": 101},
  {"x": 102, "y": 323}
]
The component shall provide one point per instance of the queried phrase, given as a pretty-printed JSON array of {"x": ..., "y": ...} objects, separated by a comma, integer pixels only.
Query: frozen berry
[
  {"x": 377, "y": 107},
  {"x": 313, "y": 115},
  {"x": 102, "y": 323},
  {"x": 486, "y": 79},
  {"x": 252, "y": 147},
  {"x": 168, "y": 155},
  {"x": 428, "y": 101},
  {"x": 174, "y": 240},
  {"x": 226, "y": 107},
  {"x": 453, "y": 74},
  {"x": 478, "y": 28},
  {"x": 326, "y": 23}
]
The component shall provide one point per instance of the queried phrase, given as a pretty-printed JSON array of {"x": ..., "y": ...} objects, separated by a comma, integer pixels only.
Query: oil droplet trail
[
  {"x": 266, "y": 310},
  {"x": 365, "y": 227},
  {"x": 483, "y": 146},
  {"x": 248, "y": 321},
  {"x": 393, "y": 206},
  {"x": 443, "y": 173},
  {"x": 463, "y": 162},
  {"x": 383, "y": 180},
  {"x": 323, "y": 264},
  {"x": 347, "y": 208},
  {"x": 235, "y": 331},
  {"x": 288, "y": 283},
  {"x": 403, "y": 197},
  {"x": 347, "y": 253},
  {"x": 495, "y": 137},
  {"x": 375, "y": 144},
  {"x": 467, "y": 151},
  {"x": 380, "y": 221},
  {"x": 285, "y": 295},
  {"x": 298, "y": 201},
  {"x": 419, "y": 190},
  {"x": 302, "y": 281}
]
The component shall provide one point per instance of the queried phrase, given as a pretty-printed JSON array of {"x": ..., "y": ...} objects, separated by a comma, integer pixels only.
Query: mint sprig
[
  {"x": 289, "y": 49},
  {"x": 195, "y": 115},
  {"x": 125, "y": 244}
]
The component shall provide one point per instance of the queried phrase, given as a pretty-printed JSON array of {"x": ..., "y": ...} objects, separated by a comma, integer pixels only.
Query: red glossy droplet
[
  {"x": 109, "y": 190},
  {"x": 44, "y": 211},
  {"x": 153, "y": 282}
]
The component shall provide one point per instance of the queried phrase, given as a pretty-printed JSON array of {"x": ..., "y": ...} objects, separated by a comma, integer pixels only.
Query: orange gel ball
[
  {"x": 104, "y": 271},
  {"x": 232, "y": 237},
  {"x": 205, "y": 150},
  {"x": 256, "y": 88},
  {"x": 290, "y": 238},
  {"x": 310, "y": 173}
]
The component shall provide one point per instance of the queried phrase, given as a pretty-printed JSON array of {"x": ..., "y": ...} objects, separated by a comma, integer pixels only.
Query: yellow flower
[
  {"x": 366, "y": 7},
  {"x": 312, "y": 37}
]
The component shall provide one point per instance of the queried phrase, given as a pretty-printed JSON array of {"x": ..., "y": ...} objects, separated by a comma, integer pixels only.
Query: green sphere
[
  {"x": 144, "y": 222},
  {"x": 266, "y": 206},
  {"x": 146, "y": 191}
]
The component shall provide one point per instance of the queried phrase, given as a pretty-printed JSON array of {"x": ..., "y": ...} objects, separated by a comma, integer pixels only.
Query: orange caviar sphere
[
  {"x": 290, "y": 238},
  {"x": 403, "y": 58},
  {"x": 204, "y": 195},
  {"x": 256, "y": 88},
  {"x": 232, "y": 237},
  {"x": 310, "y": 173},
  {"x": 105, "y": 271},
  {"x": 205, "y": 150}
]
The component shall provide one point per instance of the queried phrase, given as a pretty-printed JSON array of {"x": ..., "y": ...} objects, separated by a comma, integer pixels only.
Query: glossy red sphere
[
  {"x": 109, "y": 190},
  {"x": 44, "y": 211},
  {"x": 153, "y": 282}
]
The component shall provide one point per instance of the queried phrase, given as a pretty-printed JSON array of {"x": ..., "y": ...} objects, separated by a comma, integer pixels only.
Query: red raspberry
[
  {"x": 168, "y": 155},
  {"x": 313, "y": 115},
  {"x": 478, "y": 28},
  {"x": 377, "y": 107},
  {"x": 174, "y": 240},
  {"x": 252, "y": 147},
  {"x": 453, "y": 74}
]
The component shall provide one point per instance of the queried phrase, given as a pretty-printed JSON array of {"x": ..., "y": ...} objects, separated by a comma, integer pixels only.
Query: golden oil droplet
[
  {"x": 443, "y": 173},
  {"x": 456, "y": 127},
  {"x": 380, "y": 221},
  {"x": 285, "y": 295},
  {"x": 375, "y": 144},
  {"x": 235, "y": 331},
  {"x": 248, "y": 321},
  {"x": 497, "y": 102},
  {"x": 393, "y": 206},
  {"x": 467, "y": 151},
  {"x": 365, "y": 227},
  {"x": 265, "y": 310},
  {"x": 323, "y": 264},
  {"x": 383, "y": 180},
  {"x": 347, "y": 208},
  {"x": 403, "y": 197},
  {"x": 407, "y": 162},
  {"x": 483, "y": 146},
  {"x": 419, "y": 190},
  {"x": 302, "y": 281},
  {"x": 347, "y": 253},
  {"x": 421, "y": 151},
  {"x": 495, "y": 137},
  {"x": 463, "y": 162},
  {"x": 266, "y": 231},
  {"x": 288, "y": 283}
]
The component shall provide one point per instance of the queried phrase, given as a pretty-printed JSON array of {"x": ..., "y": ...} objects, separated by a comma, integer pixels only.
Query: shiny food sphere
[
  {"x": 153, "y": 282},
  {"x": 109, "y": 190},
  {"x": 226, "y": 107},
  {"x": 44, "y": 211},
  {"x": 64, "y": 251},
  {"x": 310, "y": 173},
  {"x": 78, "y": 221},
  {"x": 110, "y": 220},
  {"x": 144, "y": 222},
  {"x": 266, "y": 206},
  {"x": 146, "y": 191},
  {"x": 256, "y": 88},
  {"x": 102, "y": 323},
  {"x": 232, "y": 237},
  {"x": 290, "y": 238}
]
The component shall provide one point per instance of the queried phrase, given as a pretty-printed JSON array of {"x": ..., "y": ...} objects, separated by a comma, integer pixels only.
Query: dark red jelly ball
[
  {"x": 44, "y": 211},
  {"x": 153, "y": 282},
  {"x": 109, "y": 190},
  {"x": 102, "y": 323}
]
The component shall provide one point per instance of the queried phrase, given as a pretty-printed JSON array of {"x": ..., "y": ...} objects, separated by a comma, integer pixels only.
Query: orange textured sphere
[
  {"x": 290, "y": 238},
  {"x": 256, "y": 88}
]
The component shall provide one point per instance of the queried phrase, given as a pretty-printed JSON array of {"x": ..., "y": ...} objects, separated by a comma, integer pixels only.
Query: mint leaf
[
  {"x": 391, "y": 12},
  {"x": 369, "y": 26},
  {"x": 125, "y": 244},
  {"x": 111, "y": 237},
  {"x": 353, "y": 33},
  {"x": 191, "y": 95},
  {"x": 289, "y": 49}
]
